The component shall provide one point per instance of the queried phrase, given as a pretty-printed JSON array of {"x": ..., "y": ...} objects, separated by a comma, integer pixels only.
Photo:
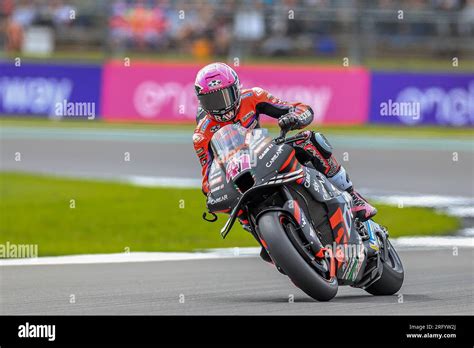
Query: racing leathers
[{"x": 314, "y": 147}]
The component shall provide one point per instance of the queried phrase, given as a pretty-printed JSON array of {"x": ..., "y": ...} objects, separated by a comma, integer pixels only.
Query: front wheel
[
  {"x": 273, "y": 232},
  {"x": 392, "y": 274}
]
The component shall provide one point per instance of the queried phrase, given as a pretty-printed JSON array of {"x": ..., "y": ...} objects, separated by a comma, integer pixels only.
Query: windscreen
[
  {"x": 233, "y": 139},
  {"x": 229, "y": 140}
]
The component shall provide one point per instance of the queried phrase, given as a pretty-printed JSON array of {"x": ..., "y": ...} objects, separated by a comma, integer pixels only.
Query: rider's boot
[{"x": 361, "y": 209}]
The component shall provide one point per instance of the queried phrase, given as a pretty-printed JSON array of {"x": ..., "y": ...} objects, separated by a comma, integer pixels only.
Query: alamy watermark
[
  {"x": 28, "y": 330},
  {"x": 345, "y": 252},
  {"x": 75, "y": 109},
  {"x": 400, "y": 109},
  {"x": 18, "y": 251}
]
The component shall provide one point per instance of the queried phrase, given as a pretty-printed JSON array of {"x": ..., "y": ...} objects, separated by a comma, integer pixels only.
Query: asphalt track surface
[
  {"x": 437, "y": 282},
  {"x": 380, "y": 165}
]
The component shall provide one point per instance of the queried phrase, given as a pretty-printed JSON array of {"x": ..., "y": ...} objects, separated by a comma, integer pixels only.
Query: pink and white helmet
[{"x": 218, "y": 90}]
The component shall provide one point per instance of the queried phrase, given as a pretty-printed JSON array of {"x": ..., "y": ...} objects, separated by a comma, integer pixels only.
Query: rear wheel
[
  {"x": 273, "y": 231},
  {"x": 392, "y": 275}
]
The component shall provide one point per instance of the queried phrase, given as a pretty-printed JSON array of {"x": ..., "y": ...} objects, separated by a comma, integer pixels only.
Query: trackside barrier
[
  {"x": 54, "y": 90},
  {"x": 159, "y": 92},
  {"x": 165, "y": 92}
]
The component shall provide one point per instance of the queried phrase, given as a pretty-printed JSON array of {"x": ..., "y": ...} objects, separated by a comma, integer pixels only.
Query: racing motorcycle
[{"x": 303, "y": 222}]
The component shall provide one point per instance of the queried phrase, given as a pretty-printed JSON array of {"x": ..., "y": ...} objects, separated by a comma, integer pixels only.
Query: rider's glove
[{"x": 289, "y": 121}]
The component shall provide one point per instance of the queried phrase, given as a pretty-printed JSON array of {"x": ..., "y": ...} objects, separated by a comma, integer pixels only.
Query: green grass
[
  {"x": 362, "y": 130},
  {"x": 381, "y": 63},
  {"x": 110, "y": 217}
]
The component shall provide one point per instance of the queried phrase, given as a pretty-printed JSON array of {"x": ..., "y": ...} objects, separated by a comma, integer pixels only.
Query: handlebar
[{"x": 281, "y": 139}]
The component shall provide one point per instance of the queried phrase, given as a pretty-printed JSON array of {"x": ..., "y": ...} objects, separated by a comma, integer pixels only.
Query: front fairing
[
  {"x": 222, "y": 194},
  {"x": 245, "y": 152}
]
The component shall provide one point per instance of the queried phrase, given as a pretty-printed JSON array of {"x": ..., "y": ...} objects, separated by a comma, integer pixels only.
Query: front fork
[{"x": 292, "y": 207}]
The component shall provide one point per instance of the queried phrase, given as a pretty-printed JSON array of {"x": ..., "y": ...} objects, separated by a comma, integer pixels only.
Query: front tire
[
  {"x": 392, "y": 275},
  {"x": 285, "y": 255}
]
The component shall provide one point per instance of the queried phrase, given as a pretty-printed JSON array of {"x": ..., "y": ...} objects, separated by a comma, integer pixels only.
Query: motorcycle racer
[{"x": 223, "y": 101}]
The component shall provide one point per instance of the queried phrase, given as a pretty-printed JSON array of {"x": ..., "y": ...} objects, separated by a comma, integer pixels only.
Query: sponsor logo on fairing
[
  {"x": 274, "y": 157},
  {"x": 307, "y": 180},
  {"x": 219, "y": 199},
  {"x": 265, "y": 151},
  {"x": 237, "y": 164},
  {"x": 303, "y": 221},
  {"x": 214, "y": 173},
  {"x": 315, "y": 185},
  {"x": 215, "y": 181},
  {"x": 217, "y": 188}
]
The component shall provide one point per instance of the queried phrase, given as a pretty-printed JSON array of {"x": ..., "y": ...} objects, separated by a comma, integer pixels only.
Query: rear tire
[
  {"x": 285, "y": 255},
  {"x": 392, "y": 275}
]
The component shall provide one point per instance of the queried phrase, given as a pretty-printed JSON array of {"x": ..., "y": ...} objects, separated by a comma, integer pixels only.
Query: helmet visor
[{"x": 221, "y": 101}]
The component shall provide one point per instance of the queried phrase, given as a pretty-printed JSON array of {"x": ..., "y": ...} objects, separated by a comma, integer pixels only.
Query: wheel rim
[{"x": 295, "y": 238}]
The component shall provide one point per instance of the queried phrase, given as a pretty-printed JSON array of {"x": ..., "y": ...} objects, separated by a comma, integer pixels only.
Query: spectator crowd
[{"x": 219, "y": 27}]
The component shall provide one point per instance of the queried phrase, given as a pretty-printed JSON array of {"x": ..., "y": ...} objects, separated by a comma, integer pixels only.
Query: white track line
[
  {"x": 152, "y": 181},
  {"x": 132, "y": 257},
  {"x": 433, "y": 242},
  {"x": 402, "y": 243}
]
